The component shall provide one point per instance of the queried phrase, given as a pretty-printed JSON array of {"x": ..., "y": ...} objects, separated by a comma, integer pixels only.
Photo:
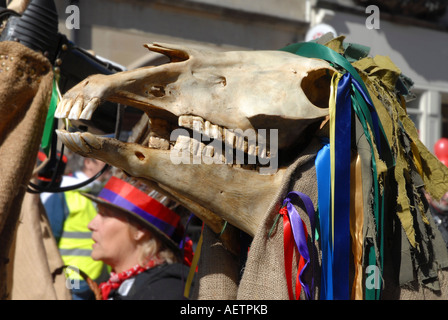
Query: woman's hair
[{"x": 152, "y": 246}]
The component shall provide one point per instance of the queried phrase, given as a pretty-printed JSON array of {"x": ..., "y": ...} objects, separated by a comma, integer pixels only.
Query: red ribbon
[
  {"x": 188, "y": 252},
  {"x": 289, "y": 248}
]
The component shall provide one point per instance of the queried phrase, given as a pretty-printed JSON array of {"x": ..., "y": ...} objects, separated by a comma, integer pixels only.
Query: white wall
[{"x": 117, "y": 29}]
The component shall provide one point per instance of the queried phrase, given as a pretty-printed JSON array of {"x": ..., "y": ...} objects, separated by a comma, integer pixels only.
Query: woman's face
[{"x": 113, "y": 243}]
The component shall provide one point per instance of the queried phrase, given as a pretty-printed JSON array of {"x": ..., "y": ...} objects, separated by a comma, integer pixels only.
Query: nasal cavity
[
  {"x": 316, "y": 86},
  {"x": 140, "y": 155},
  {"x": 157, "y": 91}
]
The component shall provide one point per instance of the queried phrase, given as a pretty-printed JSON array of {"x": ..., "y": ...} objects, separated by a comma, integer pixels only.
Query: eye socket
[{"x": 316, "y": 86}]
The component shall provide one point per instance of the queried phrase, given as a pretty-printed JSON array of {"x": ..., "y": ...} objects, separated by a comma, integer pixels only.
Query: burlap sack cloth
[
  {"x": 26, "y": 79},
  {"x": 263, "y": 275}
]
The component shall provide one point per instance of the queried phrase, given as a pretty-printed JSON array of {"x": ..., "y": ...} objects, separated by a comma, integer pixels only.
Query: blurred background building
[{"x": 413, "y": 33}]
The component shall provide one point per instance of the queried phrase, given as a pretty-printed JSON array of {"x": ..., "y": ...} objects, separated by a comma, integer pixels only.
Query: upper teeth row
[
  {"x": 214, "y": 131},
  {"x": 76, "y": 110},
  {"x": 199, "y": 125}
]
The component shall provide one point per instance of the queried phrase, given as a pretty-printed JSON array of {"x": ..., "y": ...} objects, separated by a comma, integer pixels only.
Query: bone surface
[
  {"x": 209, "y": 186},
  {"x": 220, "y": 97},
  {"x": 227, "y": 89}
]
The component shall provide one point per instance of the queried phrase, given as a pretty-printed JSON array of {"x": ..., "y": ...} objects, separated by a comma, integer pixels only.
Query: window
[
  {"x": 445, "y": 115},
  {"x": 414, "y": 110}
]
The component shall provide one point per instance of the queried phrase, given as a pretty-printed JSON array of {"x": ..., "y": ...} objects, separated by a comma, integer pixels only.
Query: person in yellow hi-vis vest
[{"x": 69, "y": 214}]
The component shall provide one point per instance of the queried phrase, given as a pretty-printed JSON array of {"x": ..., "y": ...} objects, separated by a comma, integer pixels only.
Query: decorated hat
[{"x": 130, "y": 199}]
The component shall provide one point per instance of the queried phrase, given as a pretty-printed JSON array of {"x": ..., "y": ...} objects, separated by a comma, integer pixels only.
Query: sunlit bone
[{"x": 245, "y": 90}]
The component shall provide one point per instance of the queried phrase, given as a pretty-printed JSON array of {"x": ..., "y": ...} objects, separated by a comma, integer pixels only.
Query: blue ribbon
[
  {"x": 336, "y": 256},
  {"x": 298, "y": 230},
  {"x": 323, "y": 175},
  {"x": 341, "y": 215}
]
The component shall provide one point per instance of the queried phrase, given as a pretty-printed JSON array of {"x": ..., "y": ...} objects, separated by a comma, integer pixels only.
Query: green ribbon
[
  {"x": 316, "y": 50},
  {"x": 49, "y": 122}
]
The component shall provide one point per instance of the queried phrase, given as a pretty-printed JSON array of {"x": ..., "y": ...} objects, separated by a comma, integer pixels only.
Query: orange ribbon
[{"x": 356, "y": 225}]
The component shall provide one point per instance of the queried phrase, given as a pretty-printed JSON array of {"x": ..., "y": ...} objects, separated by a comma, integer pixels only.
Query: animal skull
[{"x": 217, "y": 96}]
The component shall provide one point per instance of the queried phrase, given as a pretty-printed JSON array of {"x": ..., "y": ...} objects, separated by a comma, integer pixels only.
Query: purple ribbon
[{"x": 298, "y": 230}]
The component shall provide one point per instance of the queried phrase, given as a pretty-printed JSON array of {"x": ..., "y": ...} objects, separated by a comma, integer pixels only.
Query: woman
[{"x": 138, "y": 237}]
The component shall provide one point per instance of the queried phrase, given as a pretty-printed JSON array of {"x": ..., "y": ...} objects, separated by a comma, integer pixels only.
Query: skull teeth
[
  {"x": 202, "y": 153},
  {"x": 158, "y": 143},
  {"x": 215, "y": 152},
  {"x": 214, "y": 131},
  {"x": 76, "y": 109},
  {"x": 73, "y": 141}
]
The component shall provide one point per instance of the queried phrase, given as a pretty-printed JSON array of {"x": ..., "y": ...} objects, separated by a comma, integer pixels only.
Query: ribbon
[
  {"x": 322, "y": 164},
  {"x": 295, "y": 229},
  {"x": 186, "y": 244},
  {"x": 301, "y": 267},
  {"x": 351, "y": 93},
  {"x": 49, "y": 122},
  {"x": 316, "y": 50},
  {"x": 194, "y": 265},
  {"x": 288, "y": 250},
  {"x": 371, "y": 294},
  {"x": 340, "y": 151},
  {"x": 356, "y": 226},
  {"x": 333, "y": 176}
]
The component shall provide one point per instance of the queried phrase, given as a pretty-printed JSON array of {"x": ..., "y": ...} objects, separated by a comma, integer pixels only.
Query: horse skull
[{"x": 216, "y": 95}]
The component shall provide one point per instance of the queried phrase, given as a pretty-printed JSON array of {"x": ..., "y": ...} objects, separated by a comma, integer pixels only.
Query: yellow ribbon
[
  {"x": 193, "y": 266},
  {"x": 332, "y": 112}
]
